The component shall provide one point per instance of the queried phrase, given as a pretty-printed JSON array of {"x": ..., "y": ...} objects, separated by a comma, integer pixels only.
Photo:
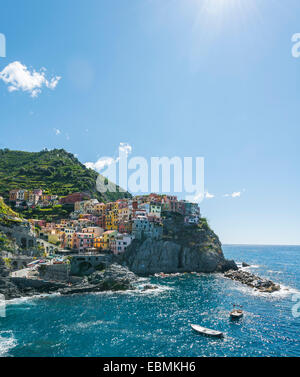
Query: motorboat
[{"x": 207, "y": 332}]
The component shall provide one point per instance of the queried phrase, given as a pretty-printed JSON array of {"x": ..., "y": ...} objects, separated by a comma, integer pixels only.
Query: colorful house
[
  {"x": 155, "y": 209},
  {"x": 103, "y": 242},
  {"x": 83, "y": 241},
  {"x": 120, "y": 242}
]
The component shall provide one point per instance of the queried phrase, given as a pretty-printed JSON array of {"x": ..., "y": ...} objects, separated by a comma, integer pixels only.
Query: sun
[
  {"x": 217, "y": 11},
  {"x": 219, "y": 6}
]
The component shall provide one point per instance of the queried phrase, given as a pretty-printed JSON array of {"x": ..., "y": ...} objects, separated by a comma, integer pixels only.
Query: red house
[{"x": 75, "y": 197}]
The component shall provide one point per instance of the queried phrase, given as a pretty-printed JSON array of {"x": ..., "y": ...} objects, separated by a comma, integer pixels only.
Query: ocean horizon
[{"x": 157, "y": 323}]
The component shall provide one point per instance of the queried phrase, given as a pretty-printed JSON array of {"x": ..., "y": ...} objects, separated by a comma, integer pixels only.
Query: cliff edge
[{"x": 183, "y": 248}]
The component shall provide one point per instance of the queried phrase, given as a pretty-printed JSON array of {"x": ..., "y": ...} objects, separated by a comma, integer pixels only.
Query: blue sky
[{"x": 211, "y": 78}]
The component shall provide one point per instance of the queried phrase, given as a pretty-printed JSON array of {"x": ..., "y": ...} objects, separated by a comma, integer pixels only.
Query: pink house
[
  {"x": 120, "y": 243},
  {"x": 83, "y": 241}
]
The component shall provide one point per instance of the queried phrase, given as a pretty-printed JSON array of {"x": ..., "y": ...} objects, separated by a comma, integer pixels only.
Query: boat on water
[
  {"x": 236, "y": 313},
  {"x": 207, "y": 332}
]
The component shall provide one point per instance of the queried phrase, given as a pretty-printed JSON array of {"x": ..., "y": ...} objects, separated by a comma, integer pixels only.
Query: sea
[{"x": 157, "y": 322}]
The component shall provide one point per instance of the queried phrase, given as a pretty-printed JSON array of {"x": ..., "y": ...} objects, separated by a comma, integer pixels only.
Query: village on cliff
[{"x": 95, "y": 227}]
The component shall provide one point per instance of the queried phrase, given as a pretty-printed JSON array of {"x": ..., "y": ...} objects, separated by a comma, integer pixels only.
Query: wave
[
  {"x": 283, "y": 292},
  {"x": 247, "y": 267},
  {"x": 30, "y": 299},
  {"x": 141, "y": 289},
  {"x": 7, "y": 342},
  {"x": 155, "y": 289},
  {"x": 274, "y": 272},
  {"x": 87, "y": 325}
]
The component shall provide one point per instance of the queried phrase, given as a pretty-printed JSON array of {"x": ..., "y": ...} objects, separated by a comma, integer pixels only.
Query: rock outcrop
[
  {"x": 112, "y": 278},
  {"x": 4, "y": 271},
  {"x": 184, "y": 248},
  {"x": 253, "y": 281},
  {"x": 244, "y": 264}
]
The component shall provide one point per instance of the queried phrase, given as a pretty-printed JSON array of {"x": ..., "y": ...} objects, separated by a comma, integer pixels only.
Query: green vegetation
[
  {"x": 7, "y": 216},
  {"x": 6, "y": 210},
  {"x": 49, "y": 214},
  {"x": 56, "y": 172},
  {"x": 6, "y": 243},
  {"x": 7, "y": 262},
  {"x": 203, "y": 224}
]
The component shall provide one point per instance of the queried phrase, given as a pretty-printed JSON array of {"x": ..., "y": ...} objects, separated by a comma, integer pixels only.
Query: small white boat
[
  {"x": 207, "y": 332},
  {"x": 236, "y": 313}
]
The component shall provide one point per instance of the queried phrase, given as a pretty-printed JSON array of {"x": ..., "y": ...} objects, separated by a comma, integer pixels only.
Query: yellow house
[
  {"x": 99, "y": 209},
  {"x": 124, "y": 214},
  {"x": 68, "y": 240},
  {"x": 103, "y": 241},
  {"x": 108, "y": 220},
  {"x": 112, "y": 219}
]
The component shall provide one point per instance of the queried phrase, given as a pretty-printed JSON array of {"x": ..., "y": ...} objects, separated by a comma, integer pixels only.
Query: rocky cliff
[
  {"x": 113, "y": 278},
  {"x": 183, "y": 248}
]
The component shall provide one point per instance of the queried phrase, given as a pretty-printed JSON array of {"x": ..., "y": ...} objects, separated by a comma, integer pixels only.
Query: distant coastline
[{"x": 257, "y": 245}]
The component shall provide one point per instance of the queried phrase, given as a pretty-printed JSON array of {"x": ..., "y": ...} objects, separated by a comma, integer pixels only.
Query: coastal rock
[
  {"x": 149, "y": 287},
  {"x": 29, "y": 287},
  {"x": 183, "y": 248},
  {"x": 152, "y": 256},
  {"x": 4, "y": 271},
  {"x": 8, "y": 289},
  {"x": 244, "y": 264},
  {"x": 113, "y": 278},
  {"x": 15, "y": 287},
  {"x": 263, "y": 285}
]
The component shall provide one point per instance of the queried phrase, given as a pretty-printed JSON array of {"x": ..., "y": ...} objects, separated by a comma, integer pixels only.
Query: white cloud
[
  {"x": 57, "y": 131},
  {"x": 236, "y": 194},
  {"x": 100, "y": 164},
  {"x": 125, "y": 148},
  {"x": 199, "y": 197},
  {"x": 103, "y": 162},
  {"x": 196, "y": 198},
  {"x": 18, "y": 77}
]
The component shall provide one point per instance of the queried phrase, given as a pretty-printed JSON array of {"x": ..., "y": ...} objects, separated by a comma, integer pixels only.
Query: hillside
[
  {"x": 7, "y": 215},
  {"x": 8, "y": 218},
  {"x": 56, "y": 172},
  {"x": 6, "y": 211}
]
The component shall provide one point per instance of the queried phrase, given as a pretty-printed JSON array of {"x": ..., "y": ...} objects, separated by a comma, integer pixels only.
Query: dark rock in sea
[
  {"x": 263, "y": 285},
  {"x": 113, "y": 278},
  {"x": 244, "y": 264},
  {"x": 149, "y": 286}
]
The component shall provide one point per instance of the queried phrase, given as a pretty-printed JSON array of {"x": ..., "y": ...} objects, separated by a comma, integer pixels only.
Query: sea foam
[{"x": 7, "y": 342}]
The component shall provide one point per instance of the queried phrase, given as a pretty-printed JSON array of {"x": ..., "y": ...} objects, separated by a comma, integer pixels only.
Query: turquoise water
[{"x": 157, "y": 323}]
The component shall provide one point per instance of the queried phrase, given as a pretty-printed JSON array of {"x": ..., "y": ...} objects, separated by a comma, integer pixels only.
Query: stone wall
[
  {"x": 87, "y": 264},
  {"x": 22, "y": 234},
  {"x": 57, "y": 272},
  {"x": 33, "y": 283}
]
